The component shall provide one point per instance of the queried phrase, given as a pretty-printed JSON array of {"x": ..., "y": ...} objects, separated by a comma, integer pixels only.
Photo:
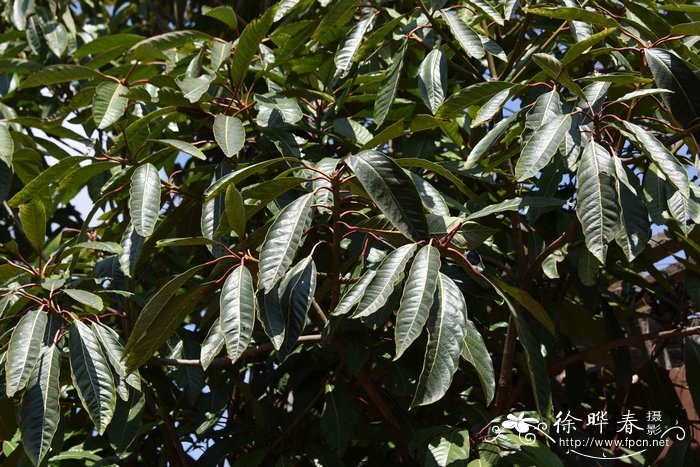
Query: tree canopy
[{"x": 340, "y": 232}]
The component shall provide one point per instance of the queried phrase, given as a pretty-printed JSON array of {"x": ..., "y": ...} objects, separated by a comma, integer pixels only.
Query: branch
[
  {"x": 589, "y": 353},
  {"x": 225, "y": 361}
]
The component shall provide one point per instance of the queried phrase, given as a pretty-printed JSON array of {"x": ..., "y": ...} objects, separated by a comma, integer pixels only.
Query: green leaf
[
  {"x": 555, "y": 69},
  {"x": 418, "y": 294},
  {"x": 432, "y": 199},
  {"x": 597, "y": 207},
  {"x": 271, "y": 316},
  {"x": 42, "y": 181},
  {"x": 237, "y": 303},
  {"x": 220, "y": 185},
  {"x": 635, "y": 230},
  {"x": 670, "y": 72},
  {"x": 127, "y": 421},
  {"x": 515, "y": 204},
  {"x": 485, "y": 143},
  {"x": 234, "y": 209},
  {"x": 388, "y": 87},
  {"x": 686, "y": 211},
  {"x": 283, "y": 8},
  {"x": 113, "y": 349},
  {"x": 7, "y": 145},
  {"x": 296, "y": 291},
  {"x": 40, "y": 411},
  {"x": 106, "y": 44},
  {"x": 229, "y": 134},
  {"x": 529, "y": 303},
  {"x": 691, "y": 29},
  {"x": 354, "y": 294},
  {"x": 248, "y": 44},
  {"x": 488, "y": 10},
  {"x": 338, "y": 418},
  {"x": 353, "y": 131},
  {"x": 144, "y": 199},
  {"x": 131, "y": 244},
  {"x": 455, "y": 105},
  {"x": 393, "y": 192},
  {"x": 275, "y": 111},
  {"x": 547, "y": 107},
  {"x": 282, "y": 241},
  {"x": 86, "y": 298},
  {"x": 581, "y": 47},
  {"x": 220, "y": 53},
  {"x": 185, "y": 148},
  {"x": 225, "y": 14},
  {"x": 150, "y": 329},
  {"x": 466, "y": 37},
  {"x": 33, "y": 219},
  {"x": 186, "y": 241},
  {"x": 23, "y": 350},
  {"x": 383, "y": 282},
  {"x": 91, "y": 374},
  {"x": 56, "y": 74},
  {"x": 662, "y": 157},
  {"x": 490, "y": 108},
  {"x": 20, "y": 10},
  {"x": 347, "y": 49},
  {"x": 109, "y": 103},
  {"x": 475, "y": 352},
  {"x": 335, "y": 13},
  {"x": 194, "y": 87},
  {"x": 165, "y": 41},
  {"x": 56, "y": 37},
  {"x": 449, "y": 448},
  {"x": 432, "y": 79},
  {"x": 212, "y": 345},
  {"x": 541, "y": 147},
  {"x": 446, "y": 328},
  {"x": 574, "y": 14}
]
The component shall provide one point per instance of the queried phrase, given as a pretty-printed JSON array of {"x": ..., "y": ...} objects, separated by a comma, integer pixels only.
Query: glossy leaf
[
  {"x": 282, "y": 241},
  {"x": 144, "y": 199},
  {"x": 455, "y": 105},
  {"x": 23, "y": 350},
  {"x": 392, "y": 190},
  {"x": 417, "y": 298},
  {"x": 40, "y": 411},
  {"x": 541, "y": 147},
  {"x": 354, "y": 294},
  {"x": 88, "y": 299},
  {"x": 467, "y": 38},
  {"x": 667, "y": 162},
  {"x": 185, "y": 148},
  {"x": 7, "y": 145},
  {"x": 446, "y": 328},
  {"x": 347, "y": 50},
  {"x": 229, "y": 134},
  {"x": 388, "y": 88},
  {"x": 91, "y": 375},
  {"x": 597, "y": 207},
  {"x": 432, "y": 79},
  {"x": 248, "y": 43},
  {"x": 671, "y": 73},
  {"x": 475, "y": 352},
  {"x": 238, "y": 305},
  {"x": 297, "y": 290},
  {"x": 384, "y": 281},
  {"x": 114, "y": 351},
  {"x": 109, "y": 103},
  {"x": 33, "y": 218},
  {"x": 149, "y": 330}
]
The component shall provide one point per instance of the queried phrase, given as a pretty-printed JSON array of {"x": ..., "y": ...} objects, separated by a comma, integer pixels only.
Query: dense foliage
[{"x": 321, "y": 232}]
